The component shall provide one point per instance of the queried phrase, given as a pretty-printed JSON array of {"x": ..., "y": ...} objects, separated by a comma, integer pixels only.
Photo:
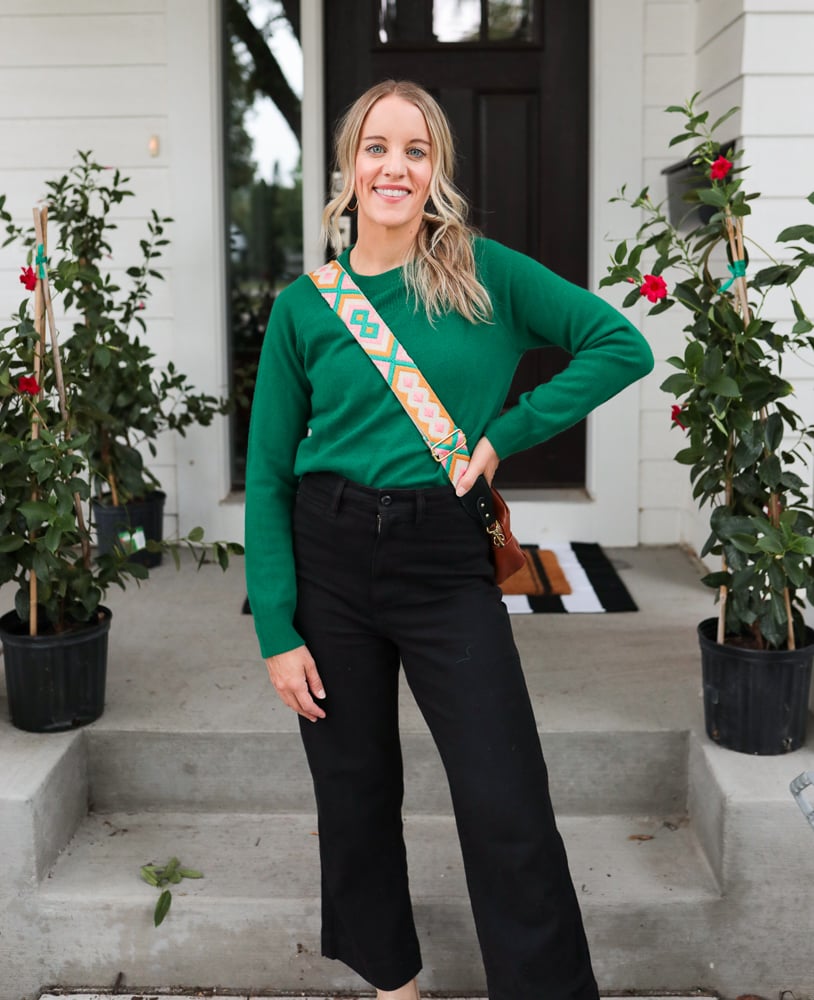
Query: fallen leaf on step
[{"x": 640, "y": 836}]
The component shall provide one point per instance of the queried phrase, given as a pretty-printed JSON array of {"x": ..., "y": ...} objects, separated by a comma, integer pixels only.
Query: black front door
[{"x": 512, "y": 76}]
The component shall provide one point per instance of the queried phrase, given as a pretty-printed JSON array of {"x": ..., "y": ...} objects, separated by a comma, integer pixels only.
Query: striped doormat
[{"x": 574, "y": 577}]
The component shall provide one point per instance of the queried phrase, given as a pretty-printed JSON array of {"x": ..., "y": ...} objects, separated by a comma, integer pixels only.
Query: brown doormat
[
  {"x": 542, "y": 574},
  {"x": 573, "y": 577}
]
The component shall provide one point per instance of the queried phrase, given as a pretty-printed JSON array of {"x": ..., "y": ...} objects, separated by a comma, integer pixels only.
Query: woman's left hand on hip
[{"x": 484, "y": 461}]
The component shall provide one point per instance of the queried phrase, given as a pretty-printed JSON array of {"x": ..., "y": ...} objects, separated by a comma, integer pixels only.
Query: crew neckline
[{"x": 382, "y": 276}]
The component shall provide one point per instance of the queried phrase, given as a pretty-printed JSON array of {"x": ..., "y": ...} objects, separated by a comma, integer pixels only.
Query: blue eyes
[{"x": 376, "y": 149}]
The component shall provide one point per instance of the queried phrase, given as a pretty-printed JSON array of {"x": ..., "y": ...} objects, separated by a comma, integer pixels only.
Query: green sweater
[{"x": 321, "y": 406}]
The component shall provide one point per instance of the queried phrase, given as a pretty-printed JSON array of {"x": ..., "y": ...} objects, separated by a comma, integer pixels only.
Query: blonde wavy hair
[{"x": 440, "y": 269}]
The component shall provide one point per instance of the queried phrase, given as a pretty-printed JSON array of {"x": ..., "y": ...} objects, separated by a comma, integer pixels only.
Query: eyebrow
[{"x": 368, "y": 138}]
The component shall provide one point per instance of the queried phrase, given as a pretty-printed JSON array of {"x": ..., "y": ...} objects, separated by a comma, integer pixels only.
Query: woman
[{"x": 360, "y": 556}]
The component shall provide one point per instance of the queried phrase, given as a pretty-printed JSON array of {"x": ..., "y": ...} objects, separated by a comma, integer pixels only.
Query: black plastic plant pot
[
  {"x": 147, "y": 514},
  {"x": 755, "y": 701},
  {"x": 55, "y": 682}
]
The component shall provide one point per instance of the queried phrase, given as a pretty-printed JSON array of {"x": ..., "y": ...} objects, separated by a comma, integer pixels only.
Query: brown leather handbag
[{"x": 485, "y": 504}]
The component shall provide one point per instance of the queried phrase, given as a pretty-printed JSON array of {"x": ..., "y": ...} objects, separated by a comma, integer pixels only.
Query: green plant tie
[
  {"x": 738, "y": 270},
  {"x": 41, "y": 261}
]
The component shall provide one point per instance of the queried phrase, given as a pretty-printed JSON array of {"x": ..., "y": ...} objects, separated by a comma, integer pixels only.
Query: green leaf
[
  {"x": 10, "y": 543},
  {"x": 196, "y": 534},
  {"x": 802, "y": 232},
  {"x": 661, "y": 307},
  {"x": 746, "y": 543},
  {"x": 770, "y": 471},
  {"x": 713, "y": 196},
  {"x": 678, "y": 384},
  {"x": 172, "y": 866},
  {"x": 631, "y": 298},
  {"x": 725, "y": 117},
  {"x": 777, "y": 274},
  {"x": 53, "y": 536},
  {"x": 162, "y": 907},
  {"x": 687, "y": 456},
  {"x": 687, "y": 296},
  {"x": 773, "y": 431},
  {"x": 694, "y": 355},
  {"x": 190, "y": 873},
  {"x": 35, "y": 511},
  {"x": 149, "y": 875},
  {"x": 723, "y": 385}
]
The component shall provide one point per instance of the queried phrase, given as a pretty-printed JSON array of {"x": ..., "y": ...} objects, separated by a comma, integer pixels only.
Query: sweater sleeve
[
  {"x": 543, "y": 309},
  {"x": 279, "y": 421}
]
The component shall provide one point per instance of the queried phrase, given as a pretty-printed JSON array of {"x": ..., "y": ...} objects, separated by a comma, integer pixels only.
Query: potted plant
[
  {"x": 128, "y": 399},
  {"x": 55, "y": 639},
  {"x": 745, "y": 445}
]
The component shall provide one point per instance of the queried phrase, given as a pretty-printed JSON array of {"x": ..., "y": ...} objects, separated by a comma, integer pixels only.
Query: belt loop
[
  {"x": 420, "y": 501},
  {"x": 333, "y": 510}
]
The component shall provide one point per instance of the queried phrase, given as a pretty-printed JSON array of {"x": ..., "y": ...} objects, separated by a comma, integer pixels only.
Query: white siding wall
[
  {"x": 107, "y": 77},
  {"x": 88, "y": 75},
  {"x": 668, "y": 79},
  {"x": 777, "y": 125},
  {"x": 754, "y": 54}
]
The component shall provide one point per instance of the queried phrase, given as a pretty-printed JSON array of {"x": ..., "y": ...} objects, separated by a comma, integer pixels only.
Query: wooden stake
[
  {"x": 734, "y": 231},
  {"x": 40, "y": 223},
  {"x": 39, "y": 351}
]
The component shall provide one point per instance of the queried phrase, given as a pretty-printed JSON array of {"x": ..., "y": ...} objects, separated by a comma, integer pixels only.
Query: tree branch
[{"x": 267, "y": 76}]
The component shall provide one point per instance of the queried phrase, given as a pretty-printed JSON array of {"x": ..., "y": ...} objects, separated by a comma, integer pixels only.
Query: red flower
[
  {"x": 27, "y": 385},
  {"x": 654, "y": 287},
  {"x": 720, "y": 168},
  {"x": 676, "y": 415},
  {"x": 28, "y": 278}
]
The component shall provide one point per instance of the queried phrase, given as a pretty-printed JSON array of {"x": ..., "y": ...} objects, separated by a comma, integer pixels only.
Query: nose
[{"x": 394, "y": 164}]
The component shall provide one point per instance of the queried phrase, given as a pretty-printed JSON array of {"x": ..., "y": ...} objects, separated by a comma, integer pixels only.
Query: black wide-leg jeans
[{"x": 403, "y": 576}]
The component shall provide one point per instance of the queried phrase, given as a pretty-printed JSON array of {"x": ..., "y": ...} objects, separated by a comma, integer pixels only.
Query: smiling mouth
[{"x": 394, "y": 194}]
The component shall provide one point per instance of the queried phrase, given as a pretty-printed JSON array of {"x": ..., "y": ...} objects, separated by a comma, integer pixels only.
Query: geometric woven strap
[{"x": 447, "y": 443}]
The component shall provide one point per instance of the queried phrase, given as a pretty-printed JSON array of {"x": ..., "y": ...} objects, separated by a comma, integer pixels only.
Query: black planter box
[
  {"x": 55, "y": 682},
  {"x": 755, "y": 701}
]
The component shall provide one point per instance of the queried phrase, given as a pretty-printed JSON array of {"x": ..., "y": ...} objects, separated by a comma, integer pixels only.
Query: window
[
  {"x": 458, "y": 22},
  {"x": 263, "y": 184}
]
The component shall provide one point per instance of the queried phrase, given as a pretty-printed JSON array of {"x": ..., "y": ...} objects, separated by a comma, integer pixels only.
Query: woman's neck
[{"x": 375, "y": 253}]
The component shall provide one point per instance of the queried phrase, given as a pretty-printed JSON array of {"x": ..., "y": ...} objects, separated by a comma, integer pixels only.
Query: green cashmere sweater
[{"x": 321, "y": 406}]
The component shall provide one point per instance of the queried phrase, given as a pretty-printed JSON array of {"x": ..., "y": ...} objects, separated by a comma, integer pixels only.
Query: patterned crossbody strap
[{"x": 447, "y": 443}]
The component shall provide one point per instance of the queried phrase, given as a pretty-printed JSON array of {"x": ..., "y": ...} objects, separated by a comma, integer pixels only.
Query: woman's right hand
[{"x": 294, "y": 675}]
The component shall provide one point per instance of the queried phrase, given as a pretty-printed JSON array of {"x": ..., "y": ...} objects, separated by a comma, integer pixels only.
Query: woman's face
[{"x": 393, "y": 166}]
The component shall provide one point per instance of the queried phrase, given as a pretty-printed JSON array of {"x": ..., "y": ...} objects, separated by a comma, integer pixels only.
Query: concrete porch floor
[{"x": 694, "y": 865}]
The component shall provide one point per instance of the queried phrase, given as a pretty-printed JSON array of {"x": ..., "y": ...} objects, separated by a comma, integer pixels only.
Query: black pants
[{"x": 389, "y": 576}]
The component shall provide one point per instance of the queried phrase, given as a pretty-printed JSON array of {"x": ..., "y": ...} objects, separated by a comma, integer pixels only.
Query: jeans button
[{"x": 386, "y": 500}]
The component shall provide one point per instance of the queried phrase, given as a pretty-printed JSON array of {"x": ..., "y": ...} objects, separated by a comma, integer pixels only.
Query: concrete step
[
  {"x": 591, "y": 773},
  {"x": 252, "y": 923}
]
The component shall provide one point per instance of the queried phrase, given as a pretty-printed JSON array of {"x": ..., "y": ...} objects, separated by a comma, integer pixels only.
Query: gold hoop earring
[{"x": 348, "y": 207}]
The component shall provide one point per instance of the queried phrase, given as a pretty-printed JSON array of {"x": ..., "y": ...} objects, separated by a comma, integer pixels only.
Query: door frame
[{"x": 608, "y": 510}]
